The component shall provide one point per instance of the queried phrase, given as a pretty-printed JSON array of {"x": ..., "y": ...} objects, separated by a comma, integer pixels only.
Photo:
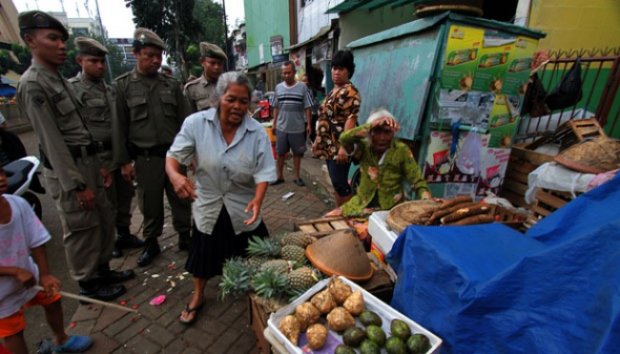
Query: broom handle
[{"x": 90, "y": 300}]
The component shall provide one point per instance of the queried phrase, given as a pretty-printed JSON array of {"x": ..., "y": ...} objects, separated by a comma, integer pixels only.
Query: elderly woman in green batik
[{"x": 385, "y": 164}]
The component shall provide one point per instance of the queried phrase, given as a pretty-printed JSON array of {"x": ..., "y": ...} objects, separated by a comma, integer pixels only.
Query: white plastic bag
[{"x": 468, "y": 159}]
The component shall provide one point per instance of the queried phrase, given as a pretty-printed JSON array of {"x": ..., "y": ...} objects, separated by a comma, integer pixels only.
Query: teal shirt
[{"x": 386, "y": 179}]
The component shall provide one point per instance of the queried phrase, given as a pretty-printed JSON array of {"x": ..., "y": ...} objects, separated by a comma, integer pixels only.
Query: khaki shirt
[
  {"x": 201, "y": 94},
  {"x": 48, "y": 101},
  {"x": 98, "y": 102},
  {"x": 150, "y": 111}
]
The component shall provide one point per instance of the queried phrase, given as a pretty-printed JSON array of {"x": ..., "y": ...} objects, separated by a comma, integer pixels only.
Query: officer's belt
[
  {"x": 103, "y": 146},
  {"x": 159, "y": 150},
  {"x": 76, "y": 151}
]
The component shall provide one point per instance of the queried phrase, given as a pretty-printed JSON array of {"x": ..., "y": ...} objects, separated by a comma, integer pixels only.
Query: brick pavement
[{"x": 222, "y": 326}]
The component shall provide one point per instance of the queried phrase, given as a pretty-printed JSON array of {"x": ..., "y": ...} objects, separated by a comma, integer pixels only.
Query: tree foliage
[{"x": 182, "y": 24}]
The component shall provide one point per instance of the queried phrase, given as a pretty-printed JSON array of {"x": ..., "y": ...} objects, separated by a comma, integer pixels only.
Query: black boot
[
  {"x": 125, "y": 239},
  {"x": 109, "y": 276},
  {"x": 151, "y": 250},
  {"x": 96, "y": 290},
  {"x": 184, "y": 241}
]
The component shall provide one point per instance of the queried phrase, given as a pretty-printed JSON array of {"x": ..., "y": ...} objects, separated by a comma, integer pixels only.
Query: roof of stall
[
  {"x": 350, "y": 5},
  {"x": 428, "y": 22}
]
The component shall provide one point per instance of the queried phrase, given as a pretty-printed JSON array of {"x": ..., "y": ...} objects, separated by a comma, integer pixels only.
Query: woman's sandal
[{"x": 191, "y": 311}]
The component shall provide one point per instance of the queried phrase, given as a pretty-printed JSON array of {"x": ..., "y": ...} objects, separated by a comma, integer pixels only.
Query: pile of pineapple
[
  {"x": 277, "y": 268},
  {"x": 342, "y": 306}
]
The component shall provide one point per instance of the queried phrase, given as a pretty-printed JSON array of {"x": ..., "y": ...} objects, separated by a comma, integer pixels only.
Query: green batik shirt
[{"x": 387, "y": 178}]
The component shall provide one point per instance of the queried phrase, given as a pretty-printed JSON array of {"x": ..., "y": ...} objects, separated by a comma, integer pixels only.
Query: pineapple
[
  {"x": 236, "y": 278},
  {"x": 302, "y": 278},
  {"x": 263, "y": 247},
  {"x": 297, "y": 239},
  {"x": 270, "y": 284},
  {"x": 254, "y": 263},
  {"x": 279, "y": 265},
  {"x": 294, "y": 253}
]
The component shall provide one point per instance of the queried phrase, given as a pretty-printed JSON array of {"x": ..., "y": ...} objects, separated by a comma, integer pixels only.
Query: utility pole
[
  {"x": 103, "y": 36},
  {"x": 225, "y": 32}
]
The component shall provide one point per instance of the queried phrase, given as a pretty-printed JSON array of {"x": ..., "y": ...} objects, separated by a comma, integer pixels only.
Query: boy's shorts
[
  {"x": 16, "y": 322},
  {"x": 290, "y": 141}
]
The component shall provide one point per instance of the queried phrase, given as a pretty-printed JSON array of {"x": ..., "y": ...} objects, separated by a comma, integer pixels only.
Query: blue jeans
[{"x": 339, "y": 175}]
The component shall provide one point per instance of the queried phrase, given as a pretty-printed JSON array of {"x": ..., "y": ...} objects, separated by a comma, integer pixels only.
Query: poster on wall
[
  {"x": 298, "y": 57},
  {"x": 520, "y": 65},
  {"x": 494, "y": 163},
  {"x": 461, "y": 57},
  {"x": 439, "y": 167},
  {"x": 492, "y": 66},
  {"x": 503, "y": 121},
  {"x": 471, "y": 108}
]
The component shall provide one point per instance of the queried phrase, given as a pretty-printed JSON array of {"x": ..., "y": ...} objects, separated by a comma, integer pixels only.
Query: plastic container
[
  {"x": 372, "y": 304},
  {"x": 378, "y": 228}
]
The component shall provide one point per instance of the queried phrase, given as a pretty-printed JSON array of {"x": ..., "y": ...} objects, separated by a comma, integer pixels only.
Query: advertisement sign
[
  {"x": 503, "y": 121},
  {"x": 493, "y": 170},
  {"x": 492, "y": 68},
  {"x": 520, "y": 66},
  {"x": 461, "y": 57}
]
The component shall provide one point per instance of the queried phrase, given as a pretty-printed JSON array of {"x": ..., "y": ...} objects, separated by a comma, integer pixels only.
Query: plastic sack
[
  {"x": 568, "y": 92},
  {"x": 558, "y": 178},
  {"x": 468, "y": 159},
  {"x": 490, "y": 289}
]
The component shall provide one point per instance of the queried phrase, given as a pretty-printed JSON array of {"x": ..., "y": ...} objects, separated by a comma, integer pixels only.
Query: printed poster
[
  {"x": 503, "y": 121},
  {"x": 494, "y": 163},
  {"x": 461, "y": 57},
  {"x": 470, "y": 107},
  {"x": 439, "y": 167},
  {"x": 492, "y": 67},
  {"x": 520, "y": 66}
]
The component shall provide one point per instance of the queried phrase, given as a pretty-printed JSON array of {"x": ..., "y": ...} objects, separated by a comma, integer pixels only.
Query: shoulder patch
[{"x": 38, "y": 100}]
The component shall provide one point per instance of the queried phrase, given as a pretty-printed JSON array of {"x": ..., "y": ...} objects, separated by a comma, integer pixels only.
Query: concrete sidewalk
[{"x": 222, "y": 326}]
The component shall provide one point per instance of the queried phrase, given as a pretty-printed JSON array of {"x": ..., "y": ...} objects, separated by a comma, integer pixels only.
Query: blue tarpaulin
[{"x": 490, "y": 289}]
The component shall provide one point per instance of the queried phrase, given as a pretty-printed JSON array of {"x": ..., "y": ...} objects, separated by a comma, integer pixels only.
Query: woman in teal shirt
[{"x": 385, "y": 164}]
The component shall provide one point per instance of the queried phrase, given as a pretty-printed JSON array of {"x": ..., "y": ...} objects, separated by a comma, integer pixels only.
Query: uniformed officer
[
  {"x": 201, "y": 91},
  {"x": 98, "y": 101},
  {"x": 72, "y": 169},
  {"x": 151, "y": 108}
]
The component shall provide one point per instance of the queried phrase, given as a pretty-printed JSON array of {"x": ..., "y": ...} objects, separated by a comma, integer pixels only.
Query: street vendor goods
[
  {"x": 457, "y": 211},
  {"x": 340, "y": 253},
  {"x": 378, "y": 329}
]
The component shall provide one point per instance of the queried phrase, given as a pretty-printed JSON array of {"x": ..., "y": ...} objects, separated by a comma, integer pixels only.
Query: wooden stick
[{"x": 90, "y": 300}]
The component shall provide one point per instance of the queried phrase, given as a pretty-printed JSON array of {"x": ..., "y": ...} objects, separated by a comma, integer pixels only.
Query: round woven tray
[
  {"x": 409, "y": 213},
  {"x": 592, "y": 156}
]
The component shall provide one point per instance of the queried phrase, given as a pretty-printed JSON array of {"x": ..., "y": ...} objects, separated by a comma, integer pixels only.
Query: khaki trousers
[
  {"x": 152, "y": 183},
  {"x": 88, "y": 234}
]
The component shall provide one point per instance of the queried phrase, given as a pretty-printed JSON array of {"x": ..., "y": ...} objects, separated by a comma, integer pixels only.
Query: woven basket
[
  {"x": 409, "y": 213},
  {"x": 432, "y": 7},
  {"x": 592, "y": 156}
]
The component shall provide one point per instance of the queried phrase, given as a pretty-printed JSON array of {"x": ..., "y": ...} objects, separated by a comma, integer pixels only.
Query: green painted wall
[
  {"x": 264, "y": 19},
  {"x": 363, "y": 22}
]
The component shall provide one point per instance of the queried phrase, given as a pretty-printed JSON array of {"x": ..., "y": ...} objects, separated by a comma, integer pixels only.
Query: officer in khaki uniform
[
  {"x": 201, "y": 91},
  {"x": 72, "y": 170},
  {"x": 98, "y": 101},
  {"x": 151, "y": 109}
]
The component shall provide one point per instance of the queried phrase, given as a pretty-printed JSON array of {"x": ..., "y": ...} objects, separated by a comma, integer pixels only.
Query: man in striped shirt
[{"x": 292, "y": 110}]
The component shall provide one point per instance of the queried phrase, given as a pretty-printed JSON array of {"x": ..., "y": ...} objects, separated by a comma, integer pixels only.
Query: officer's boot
[
  {"x": 125, "y": 239},
  {"x": 109, "y": 276},
  {"x": 151, "y": 250},
  {"x": 97, "y": 290},
  {"x": 184, "y": 240}
]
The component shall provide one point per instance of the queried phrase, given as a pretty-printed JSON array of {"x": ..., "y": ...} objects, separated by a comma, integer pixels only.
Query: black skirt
[{"x": 208, "y": 253}]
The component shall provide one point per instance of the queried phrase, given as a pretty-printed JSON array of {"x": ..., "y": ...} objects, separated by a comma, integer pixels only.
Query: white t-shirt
[{"x": 17, "y": 237}]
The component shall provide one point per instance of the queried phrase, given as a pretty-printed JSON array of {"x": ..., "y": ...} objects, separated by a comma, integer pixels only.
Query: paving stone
[
  {"x": 197, "y": 338},
  {"x": 108, "y": 317},
  {"x": 134, "y": 329},
  {"x": 176, "y": 346},
  {"x": 159, "y": 335},
  {"x": 86, "y": 312},
  {"x": 224, "y": 342},
  {"x": 103, "y": 344},
  {"x": 82, "y": 328},
  {"x": 140, "y": 344},
  {"x": 113, "y": 328}
]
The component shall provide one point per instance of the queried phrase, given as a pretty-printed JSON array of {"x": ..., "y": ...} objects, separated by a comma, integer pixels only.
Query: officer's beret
[
  {"x": 145, "y": 36},
  {"x": 212, "y": 51},
  {"x": 90, "y": 46},
  {"x": 36, "y": 19}
]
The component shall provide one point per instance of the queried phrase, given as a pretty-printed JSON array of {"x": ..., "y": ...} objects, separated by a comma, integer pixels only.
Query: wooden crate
[
  {"x": 570, "y": 133},
  {"x": 323, "y": 226},
  {"x": 522, "y": 162},
  {"x": 258, "y": 323}
]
